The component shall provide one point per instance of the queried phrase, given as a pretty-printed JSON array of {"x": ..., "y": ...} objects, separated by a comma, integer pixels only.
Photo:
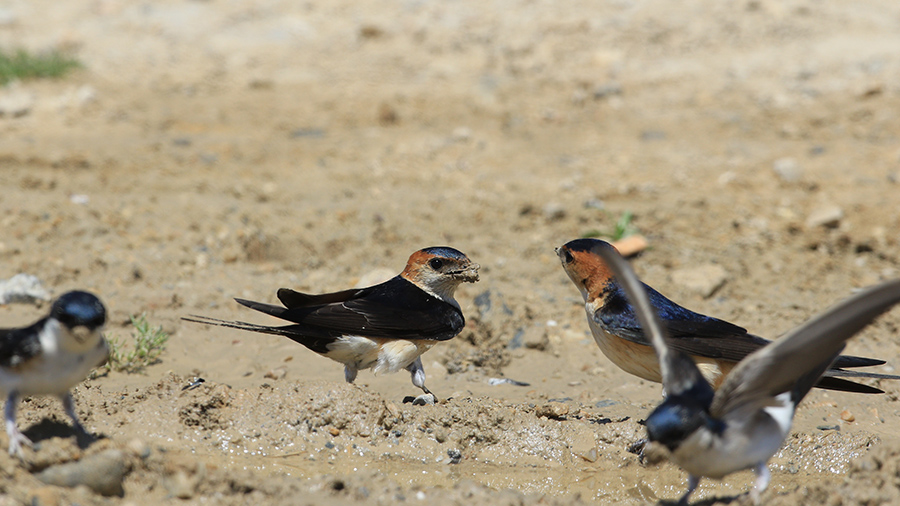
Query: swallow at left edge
[
  {"x": 386, "y": 327},
  {"x": 51, "y": 356},
  {"x": 715, "y": 345}
]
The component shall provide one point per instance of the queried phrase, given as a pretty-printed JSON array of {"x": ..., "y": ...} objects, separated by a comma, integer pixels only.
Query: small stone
[
  {"x": 7, "y": 17},
  {"x": 85, "y": 95},
  {"x": 554, "y": 410},
  {"x": 631, "y": 245},
  {"x": 334, "y": 431},
  {"x": 462, "y": 134},
  {"x": 703, "y": 279},
  {"x": 180, "y": 485},
  {"x": 554, "y": 211},
  {"x": 22, "y": 288},
  {"x": 102, "y": 472},
  {"x": 847, "y": 416},
  {"x": 583, "y": 444},
  {"x": 653, "y": 135},
  {"x": 15, "y": 103},
  {"x": 590, "y": 455},
  {"x": 138, "y": 448},
  {"x": 607, "y": 90},
  {"x": 828, "y": 216},
  {"x": 276, "y": 374},
  {"x": 392, "y": 409},
  {"x": 787, "y": 170},
  {"x": 533, "y": 337}
]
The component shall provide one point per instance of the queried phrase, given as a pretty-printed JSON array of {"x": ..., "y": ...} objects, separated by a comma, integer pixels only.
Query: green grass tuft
[
  {"x": 21, "y": 64},
  {"x": 623, "y": 228},
  {"x": 149, "y": 343}
]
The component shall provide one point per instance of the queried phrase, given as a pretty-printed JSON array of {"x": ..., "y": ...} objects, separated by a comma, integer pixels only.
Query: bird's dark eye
[
  {"x": 436, "y": 263},
  {"x": 568, "y": 256}
]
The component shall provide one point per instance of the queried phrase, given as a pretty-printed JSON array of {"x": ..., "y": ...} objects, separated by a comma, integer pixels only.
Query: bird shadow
[
  {"x": 49, "y": 429},
  {"x": 732, "y": 499}
]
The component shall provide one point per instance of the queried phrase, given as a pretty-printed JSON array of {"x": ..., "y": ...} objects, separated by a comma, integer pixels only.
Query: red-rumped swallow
[
  {"x": 386, "y": 327},
  {"x": 713, "y": 433},
  {"x": 51, "y": 356},
  {"x": 716, "y": 346}
]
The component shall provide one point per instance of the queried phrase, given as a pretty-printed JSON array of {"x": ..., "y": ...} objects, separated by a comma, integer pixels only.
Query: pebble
[
  {"x": 392, "y": 409},
  {"x": 7, "y": 17},
  {"x": 102, "y": 472},
  {"x": 554, "y": 410},
  {"x": 180, "y": 485},
  {"x": 788, "y": 170},
  {"x": 828, "y": 216},
  {"x": 607, "y": 90},
  {"x": 139, "y": 448},
  {"x": 533, "y": 337},
  {"x": 703, "y": 280},
  {"x": 16, "y": 103},
  {"x": 847, "y": 416},
  {"x": 462, "y": 134},
  {"x": 583, "y": 444},
  {"x": 554, "y": 211},
  {"x": 23, "y": 288},
  {"x": 631, "y": 245},
  {"x": 276, "y": 374}
]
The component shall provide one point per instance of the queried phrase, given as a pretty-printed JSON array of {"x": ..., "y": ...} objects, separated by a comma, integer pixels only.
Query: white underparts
[{"x": 382, "y": 355}]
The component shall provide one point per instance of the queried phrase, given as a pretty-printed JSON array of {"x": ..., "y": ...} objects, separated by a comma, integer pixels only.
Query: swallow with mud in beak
[
  {"x": 385, "y": 327},
  {"x": 51, "y": 356}
]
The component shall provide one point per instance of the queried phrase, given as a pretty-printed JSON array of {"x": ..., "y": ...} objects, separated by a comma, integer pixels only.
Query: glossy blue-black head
[
  {"x": 446, "y": 252},
  {"x": 677, "y": 418},
  {"x": 78, "y": 308}
]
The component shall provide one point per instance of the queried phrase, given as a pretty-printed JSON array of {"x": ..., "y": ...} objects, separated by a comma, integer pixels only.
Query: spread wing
[{"x": 791, "y": 360}]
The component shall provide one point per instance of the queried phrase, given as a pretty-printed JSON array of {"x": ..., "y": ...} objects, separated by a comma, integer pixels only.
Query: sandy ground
[{"x": 216, "y": 149}]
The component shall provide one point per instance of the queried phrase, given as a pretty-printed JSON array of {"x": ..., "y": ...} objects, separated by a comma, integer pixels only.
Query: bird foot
[
  {"x": 648, "y": 453},
  {"x": 638, "y": 446},
  {"x": 16, "y": 441},
  {"x": 422, "y": 400}
]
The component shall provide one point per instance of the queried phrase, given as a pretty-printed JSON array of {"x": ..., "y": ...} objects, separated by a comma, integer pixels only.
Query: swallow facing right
[
  {"x": 716, "y": 346},
  {"x": 51, "y": 356},
  {"x": 743, "y": 423},
  {"x": 386, "y": 327}
]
